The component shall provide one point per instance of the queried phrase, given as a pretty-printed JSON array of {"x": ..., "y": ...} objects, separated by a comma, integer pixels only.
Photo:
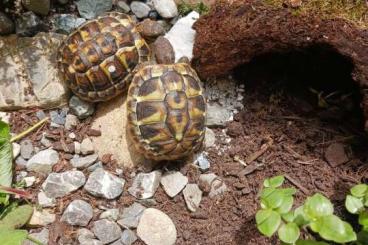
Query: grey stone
[
  {"x": 166, "y": 8},
  {"x": 41, "y": 218},
  {"x": 43, "y": 161},
  {"x": 26, "y": 149},
  {"x": 181, "y": 36},
  {"x": 83, "y": 162},
  {"x": 71, "y": 121},
  {"x": 40, "y": 115},
  {"x": 78, "y": 212},
  {"x": 173, "y": 183},
  {"x": 41, "y": 7},
  {"x": 131, "y": 216},
  {"x": 42, "y": 236},
  {"x": 210, "y": 138},
  {"x": 193, "y": 196},
  {"x": 66, "y": 23},
  {"x": 57, "y": 118},
  {"x": 87, "y": 146},
  {"x": 203, "y": 162},
  {"x": 28, "y": 24},
  {"x": 82, "y": 109},
  {"x": 106, "y": 231},
  {"x": 91, "y": 242},
  {"x": 45, "y": 141},
  {"x": 45, "y": 201},
  {"x": 29, "y": 73},
  {"x": 123, "y": 7},
  {"x": 61, "y": 184},
  {"x": 156, "y": 228},
  {"x": 217, "y": 115},
  {"x": 128, "y": 237},
  {"x": 16, "y": 150},
  {"x": 95, "y": 166},
  {"x": 90, "y": 9},
  {"x": 111, "y": 214},
  {"x": 103, "y": 184},
  {"x": 84, "y": 234},
  {"x": 217, "y": 186},
  {"x": 140, "y": 9},
  {"x": 145, "y": 184},
  {"x": 6, "y": 24},
  {"x": 21, "y": 162}
]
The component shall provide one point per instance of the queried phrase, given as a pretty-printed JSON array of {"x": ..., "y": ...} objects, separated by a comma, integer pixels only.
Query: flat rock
[
  {"x": 26, "y": 149},
  {"x": 335, "y": 154},
  {"x": 127, "y": 238},
  {"x": 42, "y": 236},
  {"x": 217, "y": 115},
  {"x": 131, "y": 216},
  {"x": 216, "y": 185},
  {"x": 123, "y": 6},
  {"x": 66, "y": 23},
  {"x": 156, "y": 228},
  {"x": 61, "y": 184},
  {"x": 106, "y": 231},
  {"x": 6, "y": 24},
  {"x": 193, "y": 196},
  {"x": 101, "y": 183},
  {"x": 83, "y": 162},
  {"x": 28, "y": 73},
  {"x": 145, "y": 184},
  {"x": 173, "y": 183},
  {"x": 87, "y": 146},
  {"x": 43, "y": 161},
  {"x": 163, "y": 51},
  {"x": 82, "y": 109},
  {"x": 78, "y": 212},
  {"x": 90, "y": 9},
  {"x": 166, "y": 8},
  {"x": 45, "y": 201},
  {"x": 181, "y": 36},
  {"x": 140, "y": 9},
  {"x": 41, "y": 218}
]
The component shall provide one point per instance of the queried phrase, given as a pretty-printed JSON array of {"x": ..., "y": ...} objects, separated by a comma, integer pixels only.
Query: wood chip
[{"x": 297, "y": 184}]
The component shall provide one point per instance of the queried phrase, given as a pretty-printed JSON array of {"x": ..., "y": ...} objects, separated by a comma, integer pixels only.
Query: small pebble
[
  {"x": 140, "y": 9},
  {"x": 26, "y": 149}
]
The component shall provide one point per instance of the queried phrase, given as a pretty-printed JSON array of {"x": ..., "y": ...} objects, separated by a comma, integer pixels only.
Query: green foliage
[
  {"x": 5, "y": 160},
  {"x": 185, "y": 8},
  {"x": 17, "y": 217},
  {"x": 13, "y": 237},
  {"x": 276, "y": 215}
]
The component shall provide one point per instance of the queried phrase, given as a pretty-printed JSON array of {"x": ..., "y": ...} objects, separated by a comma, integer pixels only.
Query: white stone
[
  {"x": 193, "y": 196},
  {"x": 210, "y": 138},
  {"x": 111, "y": 214},
  {"x": 166, "y": 8},
  {"x": 61, "y": 184},
  {"x": 16, "y": 150},
  {"x": 4, "y": 116},
  {"x": 181, "y": 36},
  {"x": 72, "y": 135},
  {"x": 78, "y": 212},
  {"x": 106, "y": 231},
  {"x": 173, "y": 183},
  {"x": 216, "y": 184},
  {"x": 29, "y": 181},
  {"x": 145, "y": 184},
  {"x": 71, "y": 121},
  {"x": 156, "y": 228},
  {"x": 84, "y": 234},
  {"x": 217, "y": 115},
  {"x": 45, "y": 201},
  {"x": 77, "y": 147},
  {"x": 41, "y": 218},
  {"x": 43, "y": 161},
  {"x": 87, "y": 146},
  {"x": 101, "y": 183}
]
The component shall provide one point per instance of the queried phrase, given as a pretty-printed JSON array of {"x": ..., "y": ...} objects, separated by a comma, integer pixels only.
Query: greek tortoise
[
  {"x": 98, "y": 59},
  {"x": 166, "y": 111}
]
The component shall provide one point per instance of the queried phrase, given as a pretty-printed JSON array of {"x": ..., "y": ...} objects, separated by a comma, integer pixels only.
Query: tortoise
[
  {"x": 98, "y": 59},
  {"x": 166, "y": 111}
]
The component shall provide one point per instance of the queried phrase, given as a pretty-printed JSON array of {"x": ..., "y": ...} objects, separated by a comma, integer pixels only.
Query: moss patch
[{"x": 355, "y": 11}]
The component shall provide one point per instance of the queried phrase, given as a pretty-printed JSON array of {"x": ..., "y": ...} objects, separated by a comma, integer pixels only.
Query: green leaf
[
  {"x": 288, "y": 217},
  {"x": 17, "y": 217},
  {"x": 317, "y": 206},
  {"x": 275, "y": 199},
  {"x": 363, "y": 238},
  {"x": 274, "y": 181},
  {"x": 310, "y": 242},
  {"x": 332, "y": 228},
  {"x": 300, "y": 218},
  {"x": 363, "y": 218},
  {"x": 268, "y": 221},
  {"x": 13, "y": 237},
  {"x": 353, "y": 204},
  {"x": 286, "y": 205},
  {"x": 359, "y": 190},
  {"x": 6, "y": 155},
  {"x": 289, "y": 232}
]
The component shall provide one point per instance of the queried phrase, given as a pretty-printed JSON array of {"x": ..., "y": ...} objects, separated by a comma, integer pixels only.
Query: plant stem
[
  {"x": 24, "y": 133},
  {"x": 34, "y": 240}
]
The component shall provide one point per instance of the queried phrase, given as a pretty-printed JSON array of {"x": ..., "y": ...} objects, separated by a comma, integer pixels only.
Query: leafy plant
[
  {"x": 316, "y": 214},
  {"x": 185, "y": 8}
]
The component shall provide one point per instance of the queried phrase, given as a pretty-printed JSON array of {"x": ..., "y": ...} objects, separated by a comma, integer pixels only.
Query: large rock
[
  {"x": 156, "y": 228},
  {"x": 181, "y": 36},
  {"x": 28, "y": 72},
  {"x": 43, "y": 161},
  {"x": 90, "y": 9},
  {"x": 78, "y": 212},
  {"x": 61, "y": 184}
]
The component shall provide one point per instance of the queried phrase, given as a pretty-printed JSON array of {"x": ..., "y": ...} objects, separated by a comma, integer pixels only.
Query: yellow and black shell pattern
[
  {"x": 97, "y": 60},
  {"x": 166, "y": 111}
]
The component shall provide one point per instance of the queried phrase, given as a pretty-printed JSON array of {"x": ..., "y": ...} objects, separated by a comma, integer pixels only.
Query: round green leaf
[
  {"x": 275, "y": 199},
  {"x": 318, "y": 206},
  {"x": 332, "y": 228},
  {"x": 359, "y": 190},
  {"x": 286, "y": 205},
  {"x": 289, "y": 232},
  {"x": 300, "y": 218},
  {"x": 363, "y": 218},
  {"x": 288, "y": 191},
  {"x": 17, "y": 217},
  {"x": 268, "y": 221},
  {"x": 288, "y": 217},
  {"x": 274, "y": 181},
  {"x": 353, "y": 204},
  {"x": 13, "y": 237}
]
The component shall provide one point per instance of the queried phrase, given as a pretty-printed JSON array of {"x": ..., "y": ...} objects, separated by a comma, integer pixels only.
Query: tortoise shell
[
  {"x": 166, "y": 111},
  {"x": 97, "y": 59}
]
